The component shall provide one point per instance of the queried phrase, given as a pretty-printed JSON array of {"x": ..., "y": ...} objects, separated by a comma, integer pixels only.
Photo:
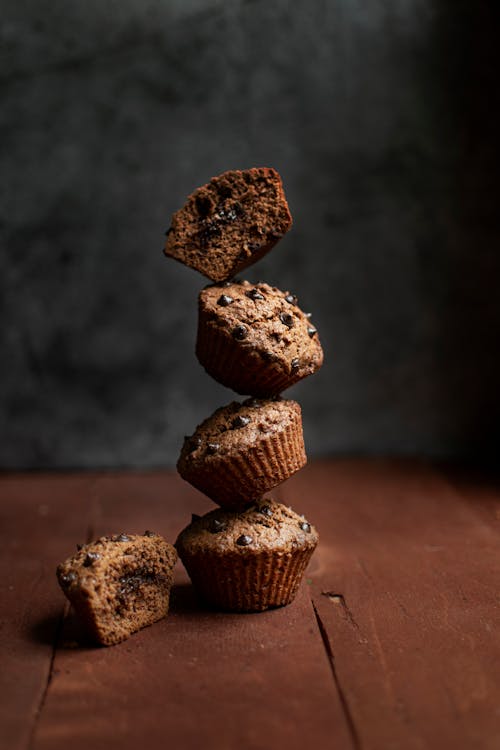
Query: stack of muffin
[{"x": 250, "y": 553}]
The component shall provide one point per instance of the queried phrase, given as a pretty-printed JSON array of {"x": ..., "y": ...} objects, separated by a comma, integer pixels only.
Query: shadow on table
[
  {"x": 185, "y": 602},
  {"x": 64, "y": 630},
  {"x": 46, "y": 631},
  {"x": 183, "y": 599},
  {"x": 61, "y": 630}
]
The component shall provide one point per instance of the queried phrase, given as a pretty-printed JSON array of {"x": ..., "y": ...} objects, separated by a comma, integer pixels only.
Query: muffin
[
  {"x": 119, "y": 584},
  {"x": 247, "y": 561},
  {"x": 229, "y": 223},
  {"x": 254, "y": 338},
  {"x": 243, "y": 450}
]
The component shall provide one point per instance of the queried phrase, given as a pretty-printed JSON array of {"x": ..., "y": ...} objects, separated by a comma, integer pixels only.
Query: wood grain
[
  {"x": 392, "y": 642},
  {"x": 38, "y": 515},
  {"x": 406, "y": 586}
]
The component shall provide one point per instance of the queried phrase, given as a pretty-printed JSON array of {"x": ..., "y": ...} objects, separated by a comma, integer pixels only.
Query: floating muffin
[
  {"x": 247, "y": 561},
  {"x": 254, "y": 338},
  {"x": 230, "y": 223},
  {"x": 243, "y": 450},
  {"x": 119, "y": 584}
]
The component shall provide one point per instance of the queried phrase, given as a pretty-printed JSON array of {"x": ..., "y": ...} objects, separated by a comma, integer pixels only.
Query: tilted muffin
[
  {"x": 247, "y": 561},
  {"x": 254, "y": 338},
  {"x": 230, "y": 223},
  {"x": 119, "y": 584},
  {"x": 243, "y": 450}
]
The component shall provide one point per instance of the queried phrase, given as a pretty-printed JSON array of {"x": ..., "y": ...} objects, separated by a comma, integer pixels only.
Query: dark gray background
[{"x": 382, "y": 117}]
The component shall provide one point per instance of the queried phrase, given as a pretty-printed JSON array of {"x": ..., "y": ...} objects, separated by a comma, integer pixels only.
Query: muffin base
[
  {"x": 233, "y": 481},
  {"x": 247, "y": 583}
]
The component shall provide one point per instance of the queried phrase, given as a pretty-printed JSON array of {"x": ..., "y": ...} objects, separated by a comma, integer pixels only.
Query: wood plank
[
  {"x": 38, "y": 514},
  {"x": 197, "y": 678},
  {"x": 406, "y": 585}
]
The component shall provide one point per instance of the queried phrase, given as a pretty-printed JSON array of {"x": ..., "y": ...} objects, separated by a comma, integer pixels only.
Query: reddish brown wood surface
[
  {"x": 36, "y": 520},
  {"x": 392, "y": 643},
  {"x": 406, "y": 587},
  {"x": 198, "y": 677}
]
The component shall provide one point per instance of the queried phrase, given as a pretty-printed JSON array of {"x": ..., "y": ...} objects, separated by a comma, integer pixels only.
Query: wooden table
[{"x": 392, "y": 642}]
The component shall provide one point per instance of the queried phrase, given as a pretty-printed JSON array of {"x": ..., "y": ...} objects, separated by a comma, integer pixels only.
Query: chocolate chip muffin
[
  {"x": 230, "y": 223},
  {"x": 243, "y": 450},
  {"x": 247, "y": 561},
  {"x": 254, "y": 338},
  {"x": 119, "y": 584}
]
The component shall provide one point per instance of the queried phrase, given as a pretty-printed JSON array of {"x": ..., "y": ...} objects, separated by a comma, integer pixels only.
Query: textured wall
[{"x": 382, "y": 118}]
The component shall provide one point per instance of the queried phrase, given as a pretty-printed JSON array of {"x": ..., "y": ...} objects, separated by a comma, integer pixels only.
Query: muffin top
[
  {"x": 263, "y": 526},
  {"x": 233, "y": 427},
  {"x": 230, "y": 222},
  {"x": 113, "y": 552},
  {"x": 264, "y": 319}
]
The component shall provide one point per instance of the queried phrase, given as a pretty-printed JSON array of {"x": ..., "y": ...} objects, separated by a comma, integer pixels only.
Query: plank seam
[
  {"x": 50, "y": 674},
  {"x": 340, "y": 599},
  {"x": 57, "y": 636},
  {"x": 356, "y": 741}
]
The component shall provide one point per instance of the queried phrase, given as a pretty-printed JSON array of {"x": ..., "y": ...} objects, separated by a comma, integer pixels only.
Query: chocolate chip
[
  {"x": 270, "y": 356},
  {"x": 295, "y": 363},
  {"x": 305, "y": 526},
  {"x": 149, "y": 533},
  {"x": 212, "y": 448},
  {"x": 217, "y": 526},
  {"x": 192, "y": 443},
  {"x": 122, "y": 538},
  {"x": 311, "y": 331},
  {"x": 254, "y": 294},
  {"x": 224, "y": 284},
  {"x": 240, "y": 421},
  {"x": 224, "y": 191},
  {"x": 203, "y": 205},
  {"x": 240, "y": 333},
  {"x": 254, "y": 247},
  {"x": 244, "y": 540},
  {"x": 195, "y": 517},
  {"x": 68, "y": 578},
  {"x": 90, "y": 558},
  {"x": 292, "y": 299},
  {"x": 224, "y": 215},
  {"x": 169, "y": 230},
  {"x": 224, "y": 300},
  {"x": 287, "y": 320},
  {"x": 207, "y": 232},
  {"x": 79, "y": 547},
  {"x": 266, "y": 511}
]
